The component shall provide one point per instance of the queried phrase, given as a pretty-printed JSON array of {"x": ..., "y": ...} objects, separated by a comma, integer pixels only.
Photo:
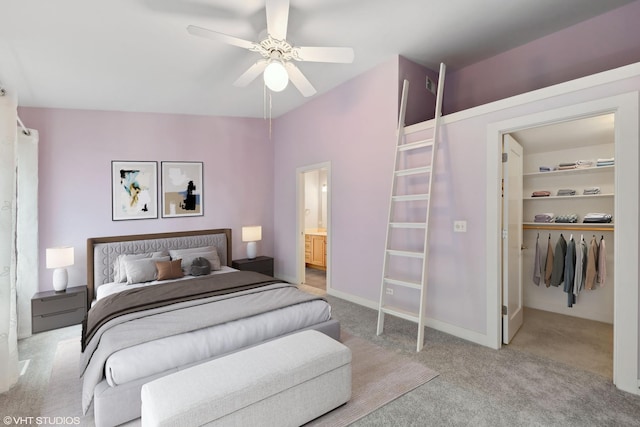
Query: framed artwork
[
  {"x": 134, "y": 188},
  {"x": 182, "y": 189}
]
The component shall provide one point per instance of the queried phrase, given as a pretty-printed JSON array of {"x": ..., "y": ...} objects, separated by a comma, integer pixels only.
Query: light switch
[{"x": 460, "y": 226}]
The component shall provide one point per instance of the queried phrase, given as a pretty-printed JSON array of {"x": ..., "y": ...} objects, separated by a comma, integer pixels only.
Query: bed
[{"x": 138, "y": 329}]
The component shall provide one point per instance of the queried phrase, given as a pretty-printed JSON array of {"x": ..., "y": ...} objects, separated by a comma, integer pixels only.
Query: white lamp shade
[
  {"x": 275, "y": 76},
  {"x": 59, "y": 257},
  {"x": 252, "y": 233}
]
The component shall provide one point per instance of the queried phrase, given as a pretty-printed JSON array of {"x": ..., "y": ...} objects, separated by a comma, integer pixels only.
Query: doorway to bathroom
[{"x": 314, "y": 227}]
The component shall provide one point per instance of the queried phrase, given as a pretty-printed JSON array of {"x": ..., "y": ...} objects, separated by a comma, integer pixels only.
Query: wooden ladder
[{"x": 407, "y": 241}]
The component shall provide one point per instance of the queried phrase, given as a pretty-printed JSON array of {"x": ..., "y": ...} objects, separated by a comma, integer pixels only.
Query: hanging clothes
[
  {"x": 592, "y": 264},
  {"x": 537, "y": 263},
  {"x": 581, "y": 268},
  {"x": 569, "y": 271},
  {"x": 601, "y": 277},
  {"x": 557, "y": 274},
  {"x": 548, "y": 266}
]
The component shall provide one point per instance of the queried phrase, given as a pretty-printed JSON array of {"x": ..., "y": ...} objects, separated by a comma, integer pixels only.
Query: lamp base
[
  {"x": 251, "y": 250},
  {"x": 60, "y": 279}
]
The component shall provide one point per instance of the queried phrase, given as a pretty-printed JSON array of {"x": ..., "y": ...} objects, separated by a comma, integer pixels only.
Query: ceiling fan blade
[
  {"x": 299, "y": 80},
  {"x": 277, "y": 18},
  {"x": 214, "y": 35},
  {"x": 324, "y": 54},
  {"x": 254, "y": 71}
]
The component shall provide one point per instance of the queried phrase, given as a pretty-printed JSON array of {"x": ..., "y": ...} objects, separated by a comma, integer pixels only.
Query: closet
[{"x": 583, "y": 141}]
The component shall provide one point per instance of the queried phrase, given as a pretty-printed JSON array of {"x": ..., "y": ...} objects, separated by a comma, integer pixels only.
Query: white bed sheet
[
  {"x": 115, "y": 287},
  {"x": 143, "y": 360}
]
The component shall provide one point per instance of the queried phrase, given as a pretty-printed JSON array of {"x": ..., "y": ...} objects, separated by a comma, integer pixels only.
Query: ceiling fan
[{"x": 277, "y": 53}]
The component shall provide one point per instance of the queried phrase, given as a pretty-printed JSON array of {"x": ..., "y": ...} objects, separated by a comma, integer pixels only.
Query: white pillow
[
  {"x": 142, "y": 270},
  {"x": 211, "y": 256},
  {"x": 119, "y": 271},
  {"x": 176, "y": 253}
]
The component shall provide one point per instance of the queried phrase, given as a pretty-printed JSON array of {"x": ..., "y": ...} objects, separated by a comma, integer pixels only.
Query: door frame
[
  {"x": 626, "y": 303},
  {"x": 300, "y": 264}
]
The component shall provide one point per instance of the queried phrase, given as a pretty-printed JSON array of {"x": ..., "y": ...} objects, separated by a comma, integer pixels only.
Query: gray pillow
[
  {"x": 200, "y": 267},
  {"x": 187, "y": 259},
  {"x": 119, "y": 270},
  {"x": 142, "y": 270}
]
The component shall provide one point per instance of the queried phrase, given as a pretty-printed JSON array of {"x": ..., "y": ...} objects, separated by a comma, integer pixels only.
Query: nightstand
[
  {"x": 52, "y": 310},
  {"x": 261, "y": 264}
]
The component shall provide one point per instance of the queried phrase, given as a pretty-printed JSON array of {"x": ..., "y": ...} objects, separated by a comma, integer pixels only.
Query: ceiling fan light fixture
[{"x": 275, "y": 76}]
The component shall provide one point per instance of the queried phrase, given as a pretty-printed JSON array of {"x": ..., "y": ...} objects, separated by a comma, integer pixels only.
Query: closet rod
[{"x": 559, "y": 227}]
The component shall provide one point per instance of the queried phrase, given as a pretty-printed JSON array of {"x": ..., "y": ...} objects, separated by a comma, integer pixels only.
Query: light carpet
[{"x": 378, "y": 377}]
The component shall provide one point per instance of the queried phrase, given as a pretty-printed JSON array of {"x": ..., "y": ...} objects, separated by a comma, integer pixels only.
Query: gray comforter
[{"x": 143, "y": 326}]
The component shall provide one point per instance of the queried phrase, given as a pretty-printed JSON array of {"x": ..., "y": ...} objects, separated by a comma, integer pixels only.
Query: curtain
[
  {"x": 8, "y": 313},
  {"x": 27, "y": 227}
]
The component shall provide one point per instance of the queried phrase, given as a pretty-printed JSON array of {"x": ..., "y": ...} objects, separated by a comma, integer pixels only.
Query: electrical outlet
[
  {"x": 389, "y": 291},
  {"x": 460, "y": 226}
]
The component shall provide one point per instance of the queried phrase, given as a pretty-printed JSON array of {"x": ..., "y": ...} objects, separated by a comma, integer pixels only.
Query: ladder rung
[
  {"x": 398, "y": 312},
  {"x": 413, "y": 171},
  {"x": 407, "y": 225},
  {"x": 415, "y": 145},
  {"x": 410, "y": 197},
  {"x": 405, "y": 283},
  {"x": 408, "y": 254}
]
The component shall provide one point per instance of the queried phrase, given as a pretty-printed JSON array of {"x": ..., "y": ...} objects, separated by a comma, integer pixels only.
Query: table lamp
[
  {"x": 251, "y": 234},
  {"x": 59, "y": 258}
]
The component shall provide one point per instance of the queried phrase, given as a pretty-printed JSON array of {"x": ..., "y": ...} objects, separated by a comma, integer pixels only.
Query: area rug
[{"x": 379, "y": 376}]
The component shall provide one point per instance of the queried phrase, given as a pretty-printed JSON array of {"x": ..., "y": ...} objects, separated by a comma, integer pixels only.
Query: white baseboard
[{"x": 438, "y": 325}]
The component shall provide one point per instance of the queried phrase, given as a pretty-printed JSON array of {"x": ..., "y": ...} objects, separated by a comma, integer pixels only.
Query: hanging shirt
[
  {"x": 569, "y": 271},
  {"x": 537, "y": 264},
  {"x": 557, "y": 274},
  {"x": 601, "y": 277},
  {"x": 592, "y": 264},
  {"x": 548, "y": 266},
  {"x": 581, "y": 268}
]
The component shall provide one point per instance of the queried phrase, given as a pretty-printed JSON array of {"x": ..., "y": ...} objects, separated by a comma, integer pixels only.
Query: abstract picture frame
[
  {"x": 182, "y": 189},
  {"x": 134, "y": 190}
]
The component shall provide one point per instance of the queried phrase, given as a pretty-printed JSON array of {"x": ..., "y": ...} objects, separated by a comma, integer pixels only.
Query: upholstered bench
[{"x": 285, "y": 382}]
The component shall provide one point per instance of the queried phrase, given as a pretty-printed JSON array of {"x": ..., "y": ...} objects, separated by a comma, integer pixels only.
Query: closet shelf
[
  {"x": 577, "y": 196},
  {"x": 580, "y": 226},
  {"x": 577, "y": 171}
]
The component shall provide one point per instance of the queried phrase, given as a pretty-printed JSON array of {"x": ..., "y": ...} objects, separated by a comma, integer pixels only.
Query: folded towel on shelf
[
  {"x": 591, "y": 190},
  {"x": 585, "y": 163},
  {"x": 605, "y": 162},
  {"x": 541, "y": 193},
  {"x": 569, "y": 218},
  {"x": 597, "y": 217},
  {"x": 566, "y": 166},
  {"x": 566, "y": 192},
  {"x": 544, "y": 217}
]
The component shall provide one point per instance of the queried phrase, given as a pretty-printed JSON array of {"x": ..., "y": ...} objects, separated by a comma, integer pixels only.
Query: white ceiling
[
  {"x": 136, "y": 55},
  {"x": 583, "y": 132}
]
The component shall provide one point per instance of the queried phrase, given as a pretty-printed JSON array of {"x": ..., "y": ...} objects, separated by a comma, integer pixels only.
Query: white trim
[
  {"x": 625, "y": 107},
  {"x": 448, "y": 328},
  {"x": 300, "y": 221}
]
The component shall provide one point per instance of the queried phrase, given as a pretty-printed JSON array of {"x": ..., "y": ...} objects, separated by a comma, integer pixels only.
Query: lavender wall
[
  {"x": 76, "y": 150},
  {"x": 353, "y": 127},
  {"x": 421, "y": 103},
  {"x": 598, "y": 44}
]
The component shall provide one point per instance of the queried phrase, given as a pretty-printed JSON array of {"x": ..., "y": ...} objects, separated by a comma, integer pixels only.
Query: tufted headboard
[{"x": 102, "y": 251}]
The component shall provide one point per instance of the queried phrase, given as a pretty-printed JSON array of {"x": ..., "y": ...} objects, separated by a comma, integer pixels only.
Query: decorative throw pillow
[
  {"x": 169, "y": 269},
  {"x": 142, "y": 270},
  {"x": 200, "y": 267}
]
